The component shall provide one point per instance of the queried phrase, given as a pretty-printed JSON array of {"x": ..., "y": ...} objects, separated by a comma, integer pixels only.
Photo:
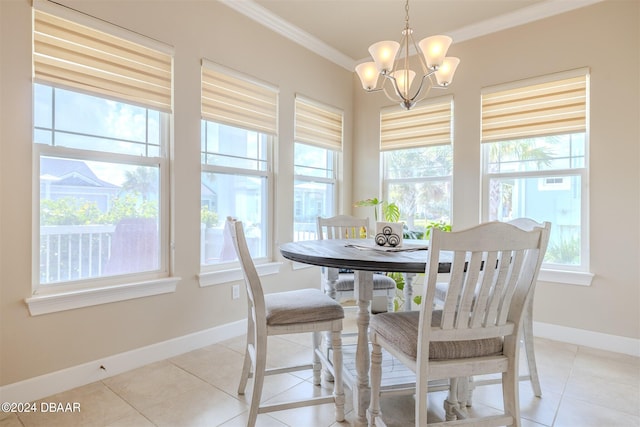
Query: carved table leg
[{"x": 361, "y": 391}]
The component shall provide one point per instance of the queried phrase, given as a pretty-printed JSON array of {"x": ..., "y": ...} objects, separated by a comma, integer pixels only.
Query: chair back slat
[
  {"x": 342, "y": 227},
  {"x": 493, "y": 270}
]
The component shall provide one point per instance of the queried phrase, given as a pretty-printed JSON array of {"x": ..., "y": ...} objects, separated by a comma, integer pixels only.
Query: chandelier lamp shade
[{"x": 398, "y": 64}]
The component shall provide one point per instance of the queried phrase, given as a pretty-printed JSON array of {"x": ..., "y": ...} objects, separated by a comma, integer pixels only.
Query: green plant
[
  {"x": 390, "y": 211},
  {"x": 208, "y": 218},
  {"x": 440, "y": 225}
]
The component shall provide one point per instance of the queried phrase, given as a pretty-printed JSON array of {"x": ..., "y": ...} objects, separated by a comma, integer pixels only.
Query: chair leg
[
  {"x": 246, "y": 366},
  {"x": 338, "y": 386},
  {"x": 376, "y": 379},
  {"x": 529, "y": 349},
  {"x": 317, "y": 366},
  {"x": 511, "y": 395},
  {"x": 258, "y": 379},
  {"x": 450, "y": 404}
]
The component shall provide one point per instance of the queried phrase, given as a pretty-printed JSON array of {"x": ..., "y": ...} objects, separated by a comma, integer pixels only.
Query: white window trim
[
  {"x": 68, "y": 295},
  {"x": 579, "y": 275},
  {"x": 579, "y": 278},
  {"x": 334, "y": 180},
  {"x": 55, "y": 302},
  {"x": 219, "y": 277},
  {"x": 213, "y": 269}
]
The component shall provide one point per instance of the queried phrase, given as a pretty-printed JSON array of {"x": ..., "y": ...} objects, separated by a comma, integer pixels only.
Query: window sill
[
  {"x": 212, "y": 278},
  {"x": 51, "y": 303},
  {"x": 566, "y": 277}
]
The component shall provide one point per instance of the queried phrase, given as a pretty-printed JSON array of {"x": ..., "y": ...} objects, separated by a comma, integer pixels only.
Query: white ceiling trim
[
  {"x": 274, "y": 22},
  {"x": 523, "y": 16},
  {"x": 519, "y": 17}
]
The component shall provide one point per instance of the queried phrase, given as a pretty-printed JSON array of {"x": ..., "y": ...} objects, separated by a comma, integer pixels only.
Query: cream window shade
[
  {"x": 542, "y": 109},
  {"x": 428, "y": 124},
  {"x": 318, "y": 125},
  {"x": 234, "y": 100},
  {"x": 75, "y": 56}
]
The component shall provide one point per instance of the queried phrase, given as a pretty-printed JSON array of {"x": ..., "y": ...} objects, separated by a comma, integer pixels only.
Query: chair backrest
[
  {"x": 493, "y": 271},
  {"x": 255, "y": 294},
  {"x": 342, "y": 227},
  {"x": 528, "y": 224}
]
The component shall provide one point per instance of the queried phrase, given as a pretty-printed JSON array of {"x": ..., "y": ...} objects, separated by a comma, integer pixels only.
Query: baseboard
[
  {"x": 76, "y": 376},
  {"x": 615, "y": 343}
]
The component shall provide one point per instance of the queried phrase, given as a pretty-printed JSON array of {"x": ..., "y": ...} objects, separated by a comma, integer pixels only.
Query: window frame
[
  {"x": 336, "y": 160},
  {"x": 268, "y": 201},
  {"x": 551, "y": 272},
  {"x": 65, "y": 295},
  {"x": 434, "y": 137},
  {"x": 256, "y": 103}
]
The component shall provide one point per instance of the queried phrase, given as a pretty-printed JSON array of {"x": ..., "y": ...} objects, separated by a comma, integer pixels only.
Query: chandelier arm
[
  {"x": 394, "y": 83},
  {"x": 428, "y": 75}
]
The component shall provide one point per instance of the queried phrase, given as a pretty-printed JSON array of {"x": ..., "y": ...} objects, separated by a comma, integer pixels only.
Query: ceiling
[{"x": 342, "y": 30}]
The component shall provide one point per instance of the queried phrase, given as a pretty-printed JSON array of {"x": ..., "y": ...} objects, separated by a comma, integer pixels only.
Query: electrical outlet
[{"x": 235, "y": 291}]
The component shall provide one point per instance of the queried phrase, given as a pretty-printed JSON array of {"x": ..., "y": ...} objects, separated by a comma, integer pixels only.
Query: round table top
[{"x": 361, "y": 254}]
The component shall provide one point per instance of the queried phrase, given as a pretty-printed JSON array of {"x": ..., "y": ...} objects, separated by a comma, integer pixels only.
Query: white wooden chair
[
  {"x": 477, "y": 329},
  {"x": 292, "y": 312},
  {"x": 527, "y": 325},
  {"x": 341, "y": 285}
]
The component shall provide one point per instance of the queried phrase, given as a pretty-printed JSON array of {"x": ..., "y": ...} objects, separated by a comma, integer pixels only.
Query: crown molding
[
  {"x": 523, "y": 16},
  {"x": 263, "y": 16},
  {"x": 519, "y": 17}
]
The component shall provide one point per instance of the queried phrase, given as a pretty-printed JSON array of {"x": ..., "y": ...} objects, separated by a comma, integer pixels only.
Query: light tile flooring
[{"x": 582, "y": 387}]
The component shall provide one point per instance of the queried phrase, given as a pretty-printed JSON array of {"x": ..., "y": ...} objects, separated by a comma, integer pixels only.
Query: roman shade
[
  {"x": 553, "y": 107},
  {"x": 72, "y": 55},
  {"x": 427, "y": 124},
  {"x": 318, "y": 125},
  {"x": 236, "y": 100}
]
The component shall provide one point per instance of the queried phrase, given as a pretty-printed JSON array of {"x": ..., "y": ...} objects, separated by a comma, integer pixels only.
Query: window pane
[
  {"x": 97, "y": 219},
  {"x": 422, "y": 202},
  {"x": 240, "y": 196},
  {"x": 313, "y": 190},
  {"x": 234, "y": 147},
  {"x": 556, "y": 199},
  {"x": 537, "y": 154},
  {"x": 311, "y": 200},
  {"x": 91, "y": 123},
  {"x": 418, "y": 162},
  {"x": 313, "y": 161},
  {"x": 418, "y": 180}
]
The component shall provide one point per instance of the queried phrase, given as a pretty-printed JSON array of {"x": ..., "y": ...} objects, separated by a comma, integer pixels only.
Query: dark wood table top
[{"x": 339, "y": 254}]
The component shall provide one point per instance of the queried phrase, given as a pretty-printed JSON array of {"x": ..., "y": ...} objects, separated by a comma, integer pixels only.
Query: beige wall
[
  {"x": 32, "y": 346},
  {"x": 604, "y": 37}
]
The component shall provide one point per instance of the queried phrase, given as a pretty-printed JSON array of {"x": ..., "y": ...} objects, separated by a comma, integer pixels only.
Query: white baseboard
[
  {"x": 615, "y": 343},
  {"x": 76, "y": 376}
]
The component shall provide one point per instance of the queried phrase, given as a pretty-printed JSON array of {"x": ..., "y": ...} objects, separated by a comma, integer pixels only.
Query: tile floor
[{"x": 581, "y": 386}]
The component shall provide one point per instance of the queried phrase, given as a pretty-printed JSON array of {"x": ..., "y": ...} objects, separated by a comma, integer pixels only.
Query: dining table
[{"x": 365, "y": 258}]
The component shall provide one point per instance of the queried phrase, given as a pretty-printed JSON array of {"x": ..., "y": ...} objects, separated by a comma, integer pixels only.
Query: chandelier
[{"x": 398, "y": 67}]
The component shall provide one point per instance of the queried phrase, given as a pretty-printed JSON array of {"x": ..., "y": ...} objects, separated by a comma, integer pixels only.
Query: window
[
  {"x": 417, "y": 159},
  {"x": 318, "y": 136},
  {"x": 535, "y": 161},
  {"x": 101, "y": 130},
  {"x": 239, "y": 125}
]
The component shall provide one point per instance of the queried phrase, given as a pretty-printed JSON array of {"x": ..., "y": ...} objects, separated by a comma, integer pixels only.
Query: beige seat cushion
[
  {"x": 380, "y": 281},
  {"x": 401, "y": 329},
  {"x": 301, "y": 306}
]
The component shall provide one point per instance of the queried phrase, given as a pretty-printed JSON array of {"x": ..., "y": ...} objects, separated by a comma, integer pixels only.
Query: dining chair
[
  {"x": 477, "y": 328},
  {"x": 290, "y": 312},
  {"x": 340, "y": 284},
  {"x": 527, "y": 324}
]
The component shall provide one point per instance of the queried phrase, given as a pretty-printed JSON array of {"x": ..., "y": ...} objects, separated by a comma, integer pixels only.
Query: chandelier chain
[{"x": 406, "y": 17}]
